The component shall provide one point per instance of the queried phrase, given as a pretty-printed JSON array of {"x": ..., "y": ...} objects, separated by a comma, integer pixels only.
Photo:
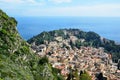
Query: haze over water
[
  {"x": 108, "y": 27},
  {"x": 104, "y": 16}
]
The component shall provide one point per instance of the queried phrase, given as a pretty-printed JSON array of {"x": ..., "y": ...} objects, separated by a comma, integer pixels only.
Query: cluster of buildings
[{"x": 92, "y": 60}]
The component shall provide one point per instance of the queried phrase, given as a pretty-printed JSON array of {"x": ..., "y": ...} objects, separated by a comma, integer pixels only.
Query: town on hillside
[{"x": 65, "y": 57}]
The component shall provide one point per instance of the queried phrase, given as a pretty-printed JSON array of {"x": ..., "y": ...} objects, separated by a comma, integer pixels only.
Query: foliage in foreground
[{"x": 17, "y": 61}]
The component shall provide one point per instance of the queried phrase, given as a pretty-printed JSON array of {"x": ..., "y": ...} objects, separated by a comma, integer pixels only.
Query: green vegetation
[
  {"x": 17, "y": 61},
  {"x": 73, "y": 75},
  {"x": 85, "y": 76}
]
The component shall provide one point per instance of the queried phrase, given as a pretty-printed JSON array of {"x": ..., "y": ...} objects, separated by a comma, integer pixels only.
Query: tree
[
  {"x": 118, "y": 64},
  {"x": 43, "y": 60},
  {"x": 100, "y": 76},
  {"x": 76, "y": 76},
  {"x": 85, "y": 76},
  {"x": 70, "y": 75}
]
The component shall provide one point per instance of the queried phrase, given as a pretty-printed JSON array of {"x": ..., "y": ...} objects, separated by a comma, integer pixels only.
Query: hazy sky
[{"x": 61, "y": 7}]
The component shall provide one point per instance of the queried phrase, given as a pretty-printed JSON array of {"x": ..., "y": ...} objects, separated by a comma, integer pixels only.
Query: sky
[{"x": 99, "y": 8}]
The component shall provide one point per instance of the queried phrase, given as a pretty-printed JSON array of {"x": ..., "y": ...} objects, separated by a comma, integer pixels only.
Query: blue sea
[{"x": 108, "y": 27}]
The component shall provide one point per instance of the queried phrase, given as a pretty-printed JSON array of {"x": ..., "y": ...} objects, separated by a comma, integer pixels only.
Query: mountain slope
[{"x": 17, "y": 60}]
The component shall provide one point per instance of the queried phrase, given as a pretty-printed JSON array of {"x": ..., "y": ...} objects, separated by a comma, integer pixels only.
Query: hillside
[
  {"x": 17, "y": 60},
  {"x": 83, "y": 39},
  {"x": 74, "y": 51}
]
